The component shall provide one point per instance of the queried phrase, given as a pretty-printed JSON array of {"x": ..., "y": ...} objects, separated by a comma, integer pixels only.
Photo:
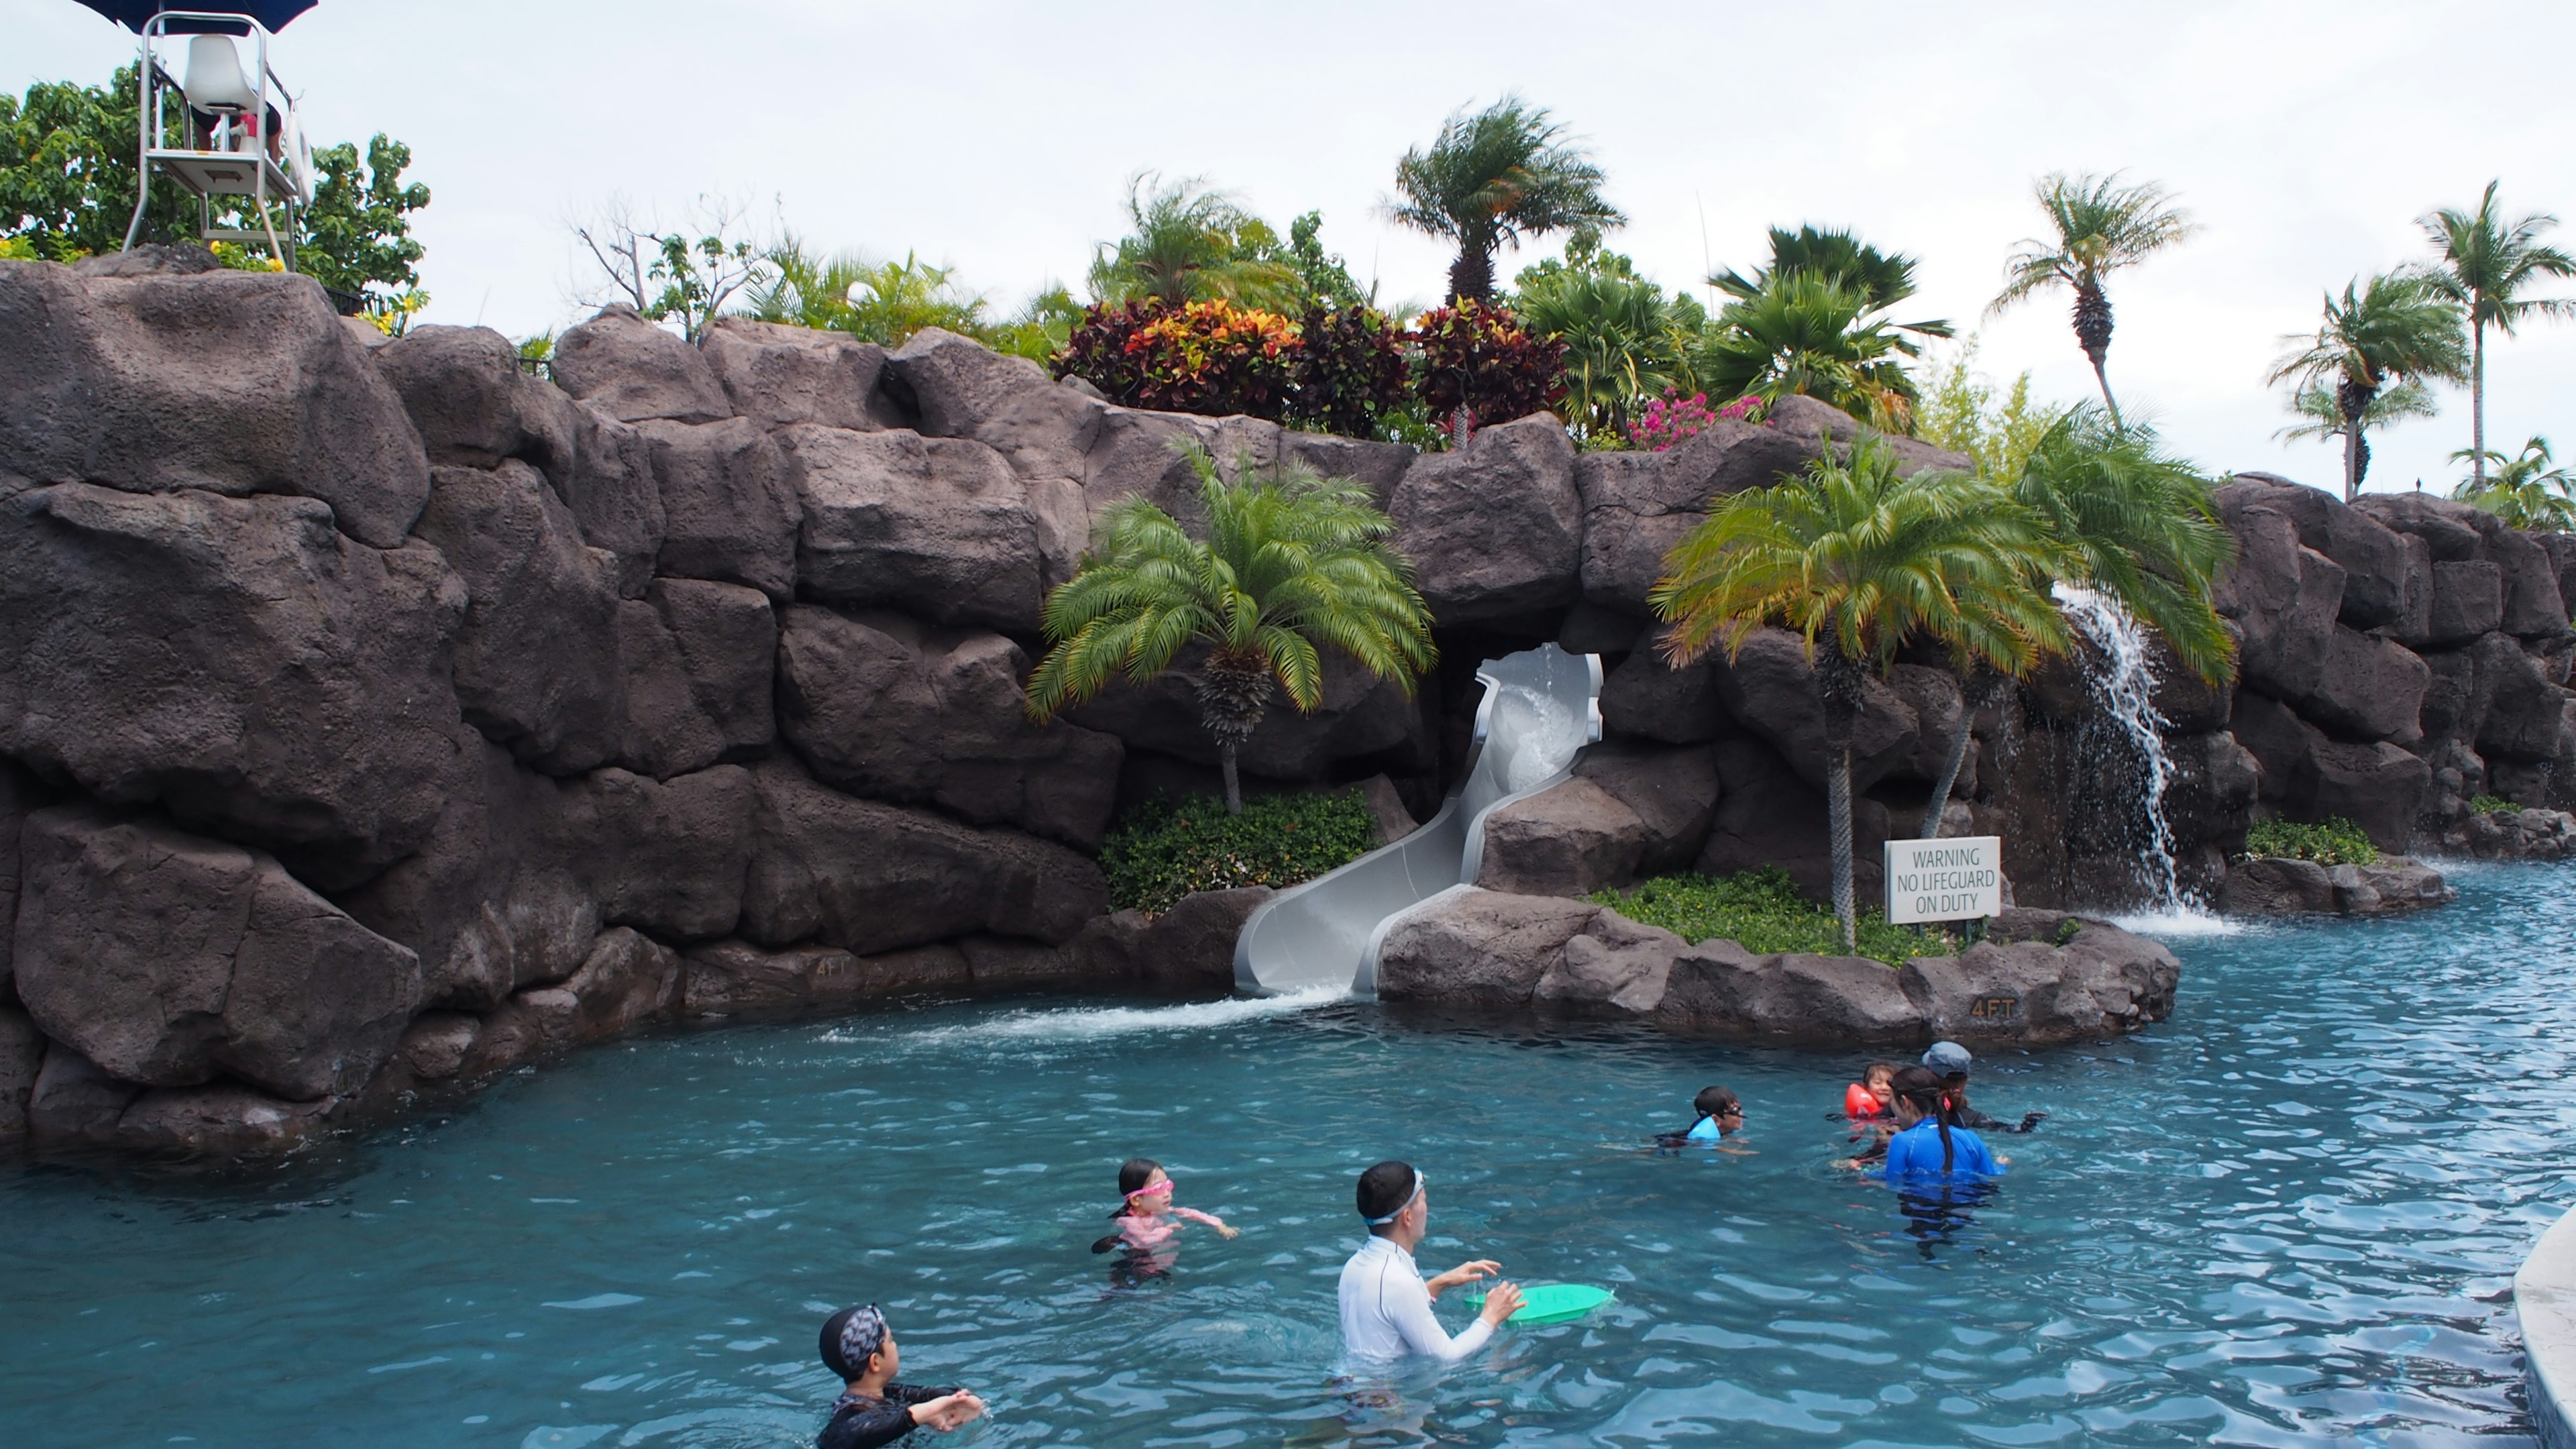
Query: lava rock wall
[{"x": 374, "y": 715}]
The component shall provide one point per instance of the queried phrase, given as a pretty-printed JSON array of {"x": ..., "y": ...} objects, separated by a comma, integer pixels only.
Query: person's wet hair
[
  {"x": 1923, "y": 1087},
  {"x": 1134, "y": 1173},
  {"x": 1715, "y": 1102},
  {"x": 1386, "y": 1189}
]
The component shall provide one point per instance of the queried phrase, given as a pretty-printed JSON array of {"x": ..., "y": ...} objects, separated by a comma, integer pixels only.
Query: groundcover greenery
[
  {"x": 2332, "y": 841},
  {"x": 1762, "y": 910},
  {"x": 1168, "y": 847}
]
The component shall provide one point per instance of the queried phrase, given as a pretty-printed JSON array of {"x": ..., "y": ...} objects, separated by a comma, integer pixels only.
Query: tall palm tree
[
  {"x": 1883, "y": 279},
  {"x": 2384, "y": 333},
  {"x": 2525, "y": 491},
  {"x": 2131, "y": 521},
  {"x": 2324, "y": 416},
  {"x": 1800, "y": 333},
  {"x": 2101, "y": 226},
  {"x": 1857, "y": 559},
  {"x": 1493, "y": 177},
  {"x": 1190, "y": 244},
  {"x": 2486, "y": 262},
  {"x": 1287, "y": 565}
]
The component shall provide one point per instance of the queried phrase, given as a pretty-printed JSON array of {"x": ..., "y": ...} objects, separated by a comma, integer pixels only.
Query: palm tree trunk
[
  {"x": 1233, "y": 782},
  {"x": 1838, "y": 821},
  {"x": 1975, "y": 693},
  {"x": 2093, "y": 334},
  {"x": 2478, "y": 403},
  {"x": 2108, "y": 401},
  {"x": 1233, "y": 689}
]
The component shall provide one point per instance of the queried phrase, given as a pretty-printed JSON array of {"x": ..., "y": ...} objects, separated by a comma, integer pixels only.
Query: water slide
[{"x": 1541, "y": 707}]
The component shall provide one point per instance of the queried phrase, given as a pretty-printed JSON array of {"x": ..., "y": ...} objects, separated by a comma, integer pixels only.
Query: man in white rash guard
[{"x": 1386, "y": 1305}]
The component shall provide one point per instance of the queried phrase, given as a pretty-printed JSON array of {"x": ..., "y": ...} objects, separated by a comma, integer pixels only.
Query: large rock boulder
[
  {"x": 2100, "y": 982},
  {"x": 2454, "y": 532},
  {"x": 236, "y": 383},
  {"x": 2309, "y": 776},
  {"x": 2284, "y": 598},
  {"x": 729, "y": 978},
  {"x": 938, "y": 526},
  {"x": 2468, "y": 600},
  {"x": 474, "y": 407},
  {"x": 536, "y": 661},
  {"x": 729, "y": 509},
  {"x": 22, "y": 1055},
  {"x": 634, "y": 371},
  {"x": 2275, "y": 885},
  {"x": 2532, "y": 605},
  {"x": 1189, "y": 946},
  {"x": 2370, "y": 687},
  {"x": 1614, "y": 966},
  {"x": 778, "y": 375},
  {"x": 2377, "y": 571},
  {"x": 665, "y": 856},
  {"x": 698, "y": 657},
  {"x": 1478, "y": 947},
  {"x": 614, "y": 497},
  {"x": 223, "y": 1117},
  {"x": 1768, "y": 815},
  {"x": 868, "y": 877},
  {"x": 490, "y": 902},
  {"x": 1570, "y": 839},
  {"x": 1719, "y": 988},
  {"x": 1770, "y": 688},
  {"x": 1646, "y": 698},
  {"x": 75, "y": 1102},
  {"x": 237, "y": 659},
  {"x": 21, "y": 795},
  {"x": 165, "y": 958},
  {"x": 1637, "y": 506},
  {"x": 1673, "y": 792},
  {"x": 1494, "y": 529},
  {"x": 626, "y": 982},
  {"x": 883, "y": 706},
  {"x": 1358, "y": 717},
  {"x": 955, "y": 383}
]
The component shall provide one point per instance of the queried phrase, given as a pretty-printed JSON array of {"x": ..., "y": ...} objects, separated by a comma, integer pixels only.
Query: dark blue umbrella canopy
[{"x": 135, "y": 14}]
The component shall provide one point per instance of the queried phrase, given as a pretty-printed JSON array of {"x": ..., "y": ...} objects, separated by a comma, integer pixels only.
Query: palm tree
[
  {"x": 2384, "y": 333},
  {"x": 2526, "y": 492},
  {"x": 1621, "y": 343},
  {"x": 1800, "y": 333},
  {"x": 2130, "y": 521},
  {"x": 1190, "y": 244},
  {"x": 1288, "y": 565},
  {"x": 1858, "y": 559},
  {"x": 1883, "y": 279},
  {"x": 2486, "y": 263},
  {"x": 1491, "y": 178},
  {"x": 2325, "y": 416},
  {"x": 2101, "y": 226}
]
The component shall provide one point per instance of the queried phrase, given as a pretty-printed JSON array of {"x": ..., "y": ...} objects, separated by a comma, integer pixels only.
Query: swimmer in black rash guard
[{"x": 873, "y": 1410}]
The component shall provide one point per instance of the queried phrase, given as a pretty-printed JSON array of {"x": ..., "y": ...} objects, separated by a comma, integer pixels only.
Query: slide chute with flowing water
[{"x": 1541, "y": 707}]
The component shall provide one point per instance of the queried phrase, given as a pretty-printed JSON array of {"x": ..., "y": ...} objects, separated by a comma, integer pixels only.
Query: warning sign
[{"x": 1945, "y": 880}]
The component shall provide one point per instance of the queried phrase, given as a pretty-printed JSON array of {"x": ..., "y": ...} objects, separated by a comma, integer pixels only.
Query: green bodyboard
[{"x": 1545, "y": 1303}]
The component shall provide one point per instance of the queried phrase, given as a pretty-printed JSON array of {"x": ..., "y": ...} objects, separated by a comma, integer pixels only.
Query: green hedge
[
  {"x": 1168, "y": 848},
  {"x": 2333, "y": 841},
  {"x": 1764, "y": 911},
  {"x": 2491, "y": 805}
]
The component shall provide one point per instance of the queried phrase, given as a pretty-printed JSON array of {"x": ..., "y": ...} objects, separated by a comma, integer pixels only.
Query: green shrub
[
  {"x": 2333, "y": 841},
  {"x": 2490, "y": 805},
  {"x": 1764, "y": 912},
  {"x": 1168, "y": 848}
]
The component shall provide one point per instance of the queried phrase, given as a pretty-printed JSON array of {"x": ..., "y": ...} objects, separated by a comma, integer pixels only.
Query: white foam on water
[
  {"x": 2125, "y": 688},
  {"x": 2179, "y": 921},
  {"x": 1096, "y": 1023}
]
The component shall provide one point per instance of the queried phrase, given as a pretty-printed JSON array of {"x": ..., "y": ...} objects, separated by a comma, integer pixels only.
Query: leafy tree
[
  {"x": 1807, "y": 334},
  {"x": 2100, "y": 227},
  {"x": 2324, "y": 415},
  {"x": 1961, "y": 412},
  {"x": 1287, "y": 566},
  {"x": 2525, "y": 491},
  {"x": 673, "y": 274},
  {"x": 2381, "y": 334},
  {"x": 1883, "y": 279},
  {"x": 1040, "y": 329},
  {"x": 1491, "y": 178},
  {"x": 1625, "y": 341},
  {"x": 1323, "y": 281},
  {"x": 2486, "y": 265},
  {"x": 67, "y": 186},
  {"x": 1857, "y": 559},
  {"x": 1190, "y": 244}
]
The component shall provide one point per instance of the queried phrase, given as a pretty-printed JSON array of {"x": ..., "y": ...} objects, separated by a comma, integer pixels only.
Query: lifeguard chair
[{"x": 220, "y": 129}]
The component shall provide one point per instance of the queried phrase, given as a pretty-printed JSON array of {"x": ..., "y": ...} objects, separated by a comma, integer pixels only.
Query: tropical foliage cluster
[
  {"x": 1764, "y": 911},
  {"x": 1165, "y": 848},
  {"x": 2332, "y": 841}
]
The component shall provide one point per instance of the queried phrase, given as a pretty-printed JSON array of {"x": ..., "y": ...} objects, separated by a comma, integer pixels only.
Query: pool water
[{"x": 2289, "y": 1214}]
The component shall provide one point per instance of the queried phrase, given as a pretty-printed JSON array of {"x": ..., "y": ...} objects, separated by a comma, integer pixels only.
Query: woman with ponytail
[{"x": 1926, "y": 1146}]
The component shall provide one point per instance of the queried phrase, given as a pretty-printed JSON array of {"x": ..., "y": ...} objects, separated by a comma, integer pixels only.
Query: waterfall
[{"x": 2124, "y": 685}]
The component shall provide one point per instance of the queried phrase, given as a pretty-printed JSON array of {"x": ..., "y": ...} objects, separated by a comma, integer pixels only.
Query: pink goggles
[{"x": 1150, "y": 1189}]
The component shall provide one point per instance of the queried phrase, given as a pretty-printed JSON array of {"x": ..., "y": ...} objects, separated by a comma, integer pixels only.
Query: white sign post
[{"x": 1957, "y": 879}]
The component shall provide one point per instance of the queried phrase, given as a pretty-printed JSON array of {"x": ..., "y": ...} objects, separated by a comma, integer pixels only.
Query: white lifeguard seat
[{"x": 223, "y": 130}]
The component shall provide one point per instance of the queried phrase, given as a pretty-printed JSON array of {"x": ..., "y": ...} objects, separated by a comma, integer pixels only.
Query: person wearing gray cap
[{"x": 1952, "y": 1062}]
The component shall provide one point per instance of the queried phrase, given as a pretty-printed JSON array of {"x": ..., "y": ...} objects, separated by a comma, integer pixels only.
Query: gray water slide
[{"x": 1541, "y": 707}]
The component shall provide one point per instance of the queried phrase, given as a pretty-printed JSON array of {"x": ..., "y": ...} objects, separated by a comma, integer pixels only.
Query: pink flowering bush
[{"x": 1672, "y": 418}]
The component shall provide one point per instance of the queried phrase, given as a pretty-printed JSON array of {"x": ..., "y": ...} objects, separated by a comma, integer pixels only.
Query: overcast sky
[{"x": 2305, "y": 138}]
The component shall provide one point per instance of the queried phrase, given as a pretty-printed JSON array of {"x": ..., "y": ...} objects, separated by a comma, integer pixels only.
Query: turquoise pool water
[{"x": 2290, "y": 1214}]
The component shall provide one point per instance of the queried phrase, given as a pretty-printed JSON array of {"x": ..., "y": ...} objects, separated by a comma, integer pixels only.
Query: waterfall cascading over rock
[{"x": 2121, "y": 678}]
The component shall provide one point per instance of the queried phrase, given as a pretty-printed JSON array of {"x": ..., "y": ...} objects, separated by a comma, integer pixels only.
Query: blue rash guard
[
  {"x": 1915, "y": 1153},
  {"x": 1705, "y": 1132}
]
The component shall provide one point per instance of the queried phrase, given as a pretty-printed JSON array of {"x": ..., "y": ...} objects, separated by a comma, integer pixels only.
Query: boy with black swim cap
[
  {"x": 873, "y": 1410},
  {"x": 1386, "y": 1304}
]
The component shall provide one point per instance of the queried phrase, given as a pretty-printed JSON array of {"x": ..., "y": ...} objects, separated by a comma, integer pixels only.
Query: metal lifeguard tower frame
[{"x": 235, "y": 133}]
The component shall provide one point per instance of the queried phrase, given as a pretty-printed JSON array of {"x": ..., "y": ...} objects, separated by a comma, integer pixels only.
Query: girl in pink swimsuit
[{"x": 1146, "y": 1218}]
